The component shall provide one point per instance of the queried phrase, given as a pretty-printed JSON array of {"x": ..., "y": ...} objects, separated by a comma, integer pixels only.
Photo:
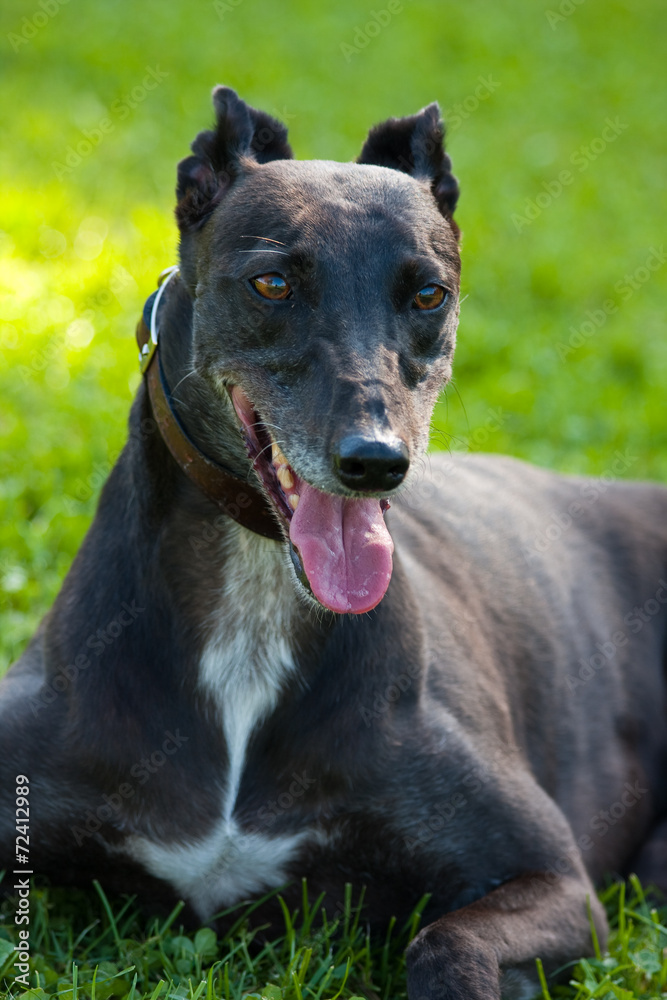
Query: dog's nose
[{"x": 373, "y": 464}]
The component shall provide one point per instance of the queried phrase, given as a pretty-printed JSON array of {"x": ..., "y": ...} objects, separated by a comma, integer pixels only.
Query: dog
[{"x": 292, "y": 646}]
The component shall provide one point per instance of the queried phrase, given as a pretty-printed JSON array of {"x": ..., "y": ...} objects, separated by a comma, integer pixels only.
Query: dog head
[{"x": 325, "y": 310}]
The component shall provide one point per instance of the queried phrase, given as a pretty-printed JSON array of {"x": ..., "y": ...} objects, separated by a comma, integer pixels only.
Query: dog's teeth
[
  {"x": 293, "y": 500},
  {"x": 277, "y": 456},
  {"x": 285, "y": 477}
]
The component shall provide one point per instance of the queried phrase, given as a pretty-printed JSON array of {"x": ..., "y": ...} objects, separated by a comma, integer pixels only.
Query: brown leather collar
[{"x": 236, "y": 497}]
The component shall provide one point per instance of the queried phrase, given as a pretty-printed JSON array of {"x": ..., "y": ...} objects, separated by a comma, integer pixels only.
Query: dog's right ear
[
  {"x": 240, "y": 132},
  {"x": 415, "y": 145}
]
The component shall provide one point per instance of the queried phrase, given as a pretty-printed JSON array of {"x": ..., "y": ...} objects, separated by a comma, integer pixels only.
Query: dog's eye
[
  {"x": 271, "y": 286},
  {"x": 430, "y": 297}
]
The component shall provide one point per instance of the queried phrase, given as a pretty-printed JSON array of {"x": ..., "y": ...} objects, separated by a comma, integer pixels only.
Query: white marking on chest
[
  {"x": 222, "y": 869},
  {"x": 243, "y": 670},
  {"x": 248, "y": 658}
]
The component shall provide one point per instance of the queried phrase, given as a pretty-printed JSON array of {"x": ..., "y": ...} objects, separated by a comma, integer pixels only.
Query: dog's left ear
[
  {"x": 415, "y": 145},
  {"x": 240, "y": 132}
]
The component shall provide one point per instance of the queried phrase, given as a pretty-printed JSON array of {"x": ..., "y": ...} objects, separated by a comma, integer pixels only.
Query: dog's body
[{"x": 491, "y": 732}]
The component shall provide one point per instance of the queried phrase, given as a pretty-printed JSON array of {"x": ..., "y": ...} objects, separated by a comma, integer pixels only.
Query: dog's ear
[
  {"x": 415, "y": 145},
  {"x": 240, "y": 132}
]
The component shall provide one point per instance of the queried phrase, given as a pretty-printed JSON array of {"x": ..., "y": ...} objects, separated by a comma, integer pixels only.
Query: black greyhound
[{"x": 242, "y": 683}]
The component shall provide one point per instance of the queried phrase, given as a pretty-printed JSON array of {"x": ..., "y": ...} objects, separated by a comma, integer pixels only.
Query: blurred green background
[{"x": 562, "y": 356}]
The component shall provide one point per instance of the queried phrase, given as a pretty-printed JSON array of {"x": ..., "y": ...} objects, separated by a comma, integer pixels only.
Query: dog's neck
[
  {"x": 235, "y": 609},
  {"x": 235, "y": 589}
]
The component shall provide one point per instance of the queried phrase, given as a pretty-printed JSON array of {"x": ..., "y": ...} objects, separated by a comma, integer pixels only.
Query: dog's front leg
[{"x": 488, "y": 948}]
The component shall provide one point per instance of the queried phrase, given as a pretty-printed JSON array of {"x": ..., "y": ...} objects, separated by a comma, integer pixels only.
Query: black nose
[{"x": 373, "y": 464}]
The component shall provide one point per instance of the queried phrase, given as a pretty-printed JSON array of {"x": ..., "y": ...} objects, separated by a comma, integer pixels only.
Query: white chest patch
[
  {"x": 243, "y": 670},
  {"x": 224, "y": 868},
  {"x": 249, "y": 658}
]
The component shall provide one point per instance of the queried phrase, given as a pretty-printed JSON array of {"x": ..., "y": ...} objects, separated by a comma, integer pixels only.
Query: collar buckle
[{"x": 149, "y": 348}]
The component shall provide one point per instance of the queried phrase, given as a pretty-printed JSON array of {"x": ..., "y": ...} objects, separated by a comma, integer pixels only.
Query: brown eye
[
  {"x": 430, "y": 297},
  {"x": 271, "y": 286}
]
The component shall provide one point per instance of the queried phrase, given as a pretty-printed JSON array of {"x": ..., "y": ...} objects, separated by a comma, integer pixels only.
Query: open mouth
[{"x": 340, "y": 546}]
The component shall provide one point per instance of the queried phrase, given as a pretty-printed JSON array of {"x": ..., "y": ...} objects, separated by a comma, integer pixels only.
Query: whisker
[
  {"x": 193, "y": 372},
  {"x": 181, "y": 403},
  {"x": 463, "y": 405},
  {"x": 268, "y": 240},
  {"x": 275, "y": 427},
  {"x": 266, "y": 423},
  {"x": 264, "y": 250},
  {"x": 263, "y": 423},
  {"x": 265, "y": 448}
]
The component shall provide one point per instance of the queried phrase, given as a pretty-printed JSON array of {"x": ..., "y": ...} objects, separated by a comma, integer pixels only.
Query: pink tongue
[{"x": 345, "y": 549}]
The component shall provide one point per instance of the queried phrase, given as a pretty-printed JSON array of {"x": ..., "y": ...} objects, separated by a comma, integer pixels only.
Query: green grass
[
  {"x": 80, "y": 249},
  {"x": 312, "y": 958},
  {"x": 86, "y": 948}
]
